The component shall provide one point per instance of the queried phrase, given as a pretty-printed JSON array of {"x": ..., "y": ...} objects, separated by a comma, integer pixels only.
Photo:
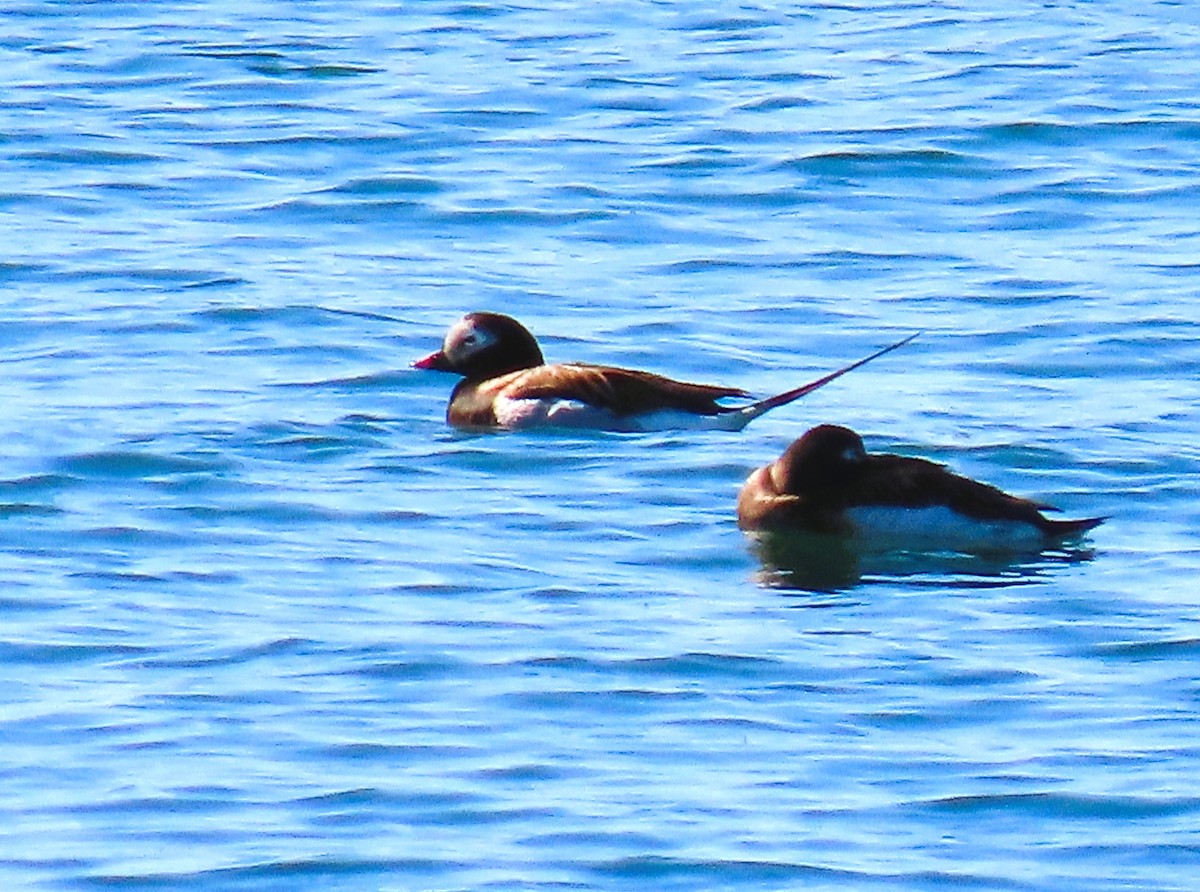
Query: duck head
[{"x": 484, "y": 345}]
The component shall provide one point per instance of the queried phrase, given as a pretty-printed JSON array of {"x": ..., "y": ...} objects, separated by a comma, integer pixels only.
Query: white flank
[
  {"x": 521, "y": 414},
  {"x": 675, "y": 420},
  {"x": 941, "y": 528},
  {"x": 518, "y": 414}
]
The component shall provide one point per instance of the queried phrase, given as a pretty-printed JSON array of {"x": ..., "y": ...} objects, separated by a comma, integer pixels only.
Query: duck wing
[
  {"x": 623, "y": 392},
  {"x": 920, "y": 483}
]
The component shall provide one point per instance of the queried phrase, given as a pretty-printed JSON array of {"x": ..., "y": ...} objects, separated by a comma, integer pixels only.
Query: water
[{"x": 269, "y": 624}]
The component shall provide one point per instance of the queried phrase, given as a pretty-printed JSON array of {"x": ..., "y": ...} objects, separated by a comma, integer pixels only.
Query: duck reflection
[{"x": 827, "y": 563}]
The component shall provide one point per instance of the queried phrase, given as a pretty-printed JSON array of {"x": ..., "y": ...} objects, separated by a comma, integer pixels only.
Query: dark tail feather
[{"x": 748, "y": 413}]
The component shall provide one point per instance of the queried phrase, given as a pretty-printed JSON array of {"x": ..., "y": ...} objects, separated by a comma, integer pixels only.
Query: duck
[
  {"x": 827, "y": 483},
  {"x": 508, "y": 385}
]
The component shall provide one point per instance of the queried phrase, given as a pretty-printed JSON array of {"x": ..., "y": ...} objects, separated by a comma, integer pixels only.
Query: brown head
[{"x": 825, "y": 458}]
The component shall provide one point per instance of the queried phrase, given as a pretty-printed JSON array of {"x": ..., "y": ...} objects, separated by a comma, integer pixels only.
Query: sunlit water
[{"x": 267, "y": 623}]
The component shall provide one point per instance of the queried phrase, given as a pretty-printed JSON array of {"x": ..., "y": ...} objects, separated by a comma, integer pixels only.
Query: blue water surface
[{"x": 269, "y": 624}]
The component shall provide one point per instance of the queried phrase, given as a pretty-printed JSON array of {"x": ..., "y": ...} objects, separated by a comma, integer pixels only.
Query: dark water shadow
[{"x": 826, "y": 564}]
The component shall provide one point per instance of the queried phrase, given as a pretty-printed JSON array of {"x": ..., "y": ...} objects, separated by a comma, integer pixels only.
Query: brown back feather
[
  {"x": 622, "y": 391},
  {"x": 918, "y": 483}
]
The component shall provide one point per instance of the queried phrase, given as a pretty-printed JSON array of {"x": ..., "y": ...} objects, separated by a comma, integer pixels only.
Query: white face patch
[
  {"x": 464, "y": 340},
  {"x": 938, "y": 527}
]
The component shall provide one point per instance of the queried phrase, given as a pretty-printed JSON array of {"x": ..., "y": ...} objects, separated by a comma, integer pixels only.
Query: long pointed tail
[
  {"x": 746, "y": 414},
  {"x": 1065, "y": 529}
]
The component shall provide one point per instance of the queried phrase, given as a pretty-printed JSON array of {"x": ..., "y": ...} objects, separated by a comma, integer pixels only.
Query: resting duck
[
  {"x": 826, "y": 482},
  {"x": 507, "y": 385}
]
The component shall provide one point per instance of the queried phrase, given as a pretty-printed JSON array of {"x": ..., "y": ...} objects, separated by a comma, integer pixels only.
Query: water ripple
[{"x": 269, "y": 623}]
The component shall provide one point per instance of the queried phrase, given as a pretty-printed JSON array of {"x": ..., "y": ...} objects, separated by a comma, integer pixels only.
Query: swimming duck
[
  {"x": 826, "y": 482},
  {"x": 508, "y": 385}
]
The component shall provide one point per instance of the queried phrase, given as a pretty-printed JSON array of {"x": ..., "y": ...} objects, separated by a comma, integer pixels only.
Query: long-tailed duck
[
  {"x": 507, "y": 385},
  {"x": 827, "y": 483}
]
